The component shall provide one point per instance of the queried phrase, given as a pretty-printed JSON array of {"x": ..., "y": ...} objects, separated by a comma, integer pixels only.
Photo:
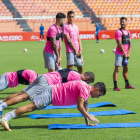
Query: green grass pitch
[{"x": 12, "y": 58}]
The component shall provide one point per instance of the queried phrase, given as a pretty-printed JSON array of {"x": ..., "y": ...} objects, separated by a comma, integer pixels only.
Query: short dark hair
[
  {"x": 90, "y": 75},
  {"x": 70, "y": 12},
  {"x": 60, "y": 15},
  {"x": 101, "y": 86},
  {"x": 123, "y": 18}
]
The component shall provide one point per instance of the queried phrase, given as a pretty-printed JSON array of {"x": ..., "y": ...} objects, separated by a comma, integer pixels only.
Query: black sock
[
  {"x": 115, "y": 84},
  {"x": 126, "y": 83}
]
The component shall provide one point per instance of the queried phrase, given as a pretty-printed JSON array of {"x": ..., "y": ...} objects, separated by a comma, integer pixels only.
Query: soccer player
[
  {"x": 52, "y": 50},
  {"x": 72, "y": 42},
  {"x": 13, "y": 79},
  {"x": 41, "y": 32},
  {"x": 123, "y": 51},
  {"x": 70, "y": 93},
  {"x": 42, "y": 81},
  {"x": 97, "y": 32}
]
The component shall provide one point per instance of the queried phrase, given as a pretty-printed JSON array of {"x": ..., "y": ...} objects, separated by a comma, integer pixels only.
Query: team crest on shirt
[
  {"x": 119, "y": 62},
  {"x": 40, "y": 105},
  {"x": 71, "y": 61},
  {"x": 52, "y": 65}
]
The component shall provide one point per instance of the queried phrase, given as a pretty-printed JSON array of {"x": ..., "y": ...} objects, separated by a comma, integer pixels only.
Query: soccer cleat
[
  {"x": 10, "y": 125},
  {"x": 5, "y": 124},
  {"x": 117, "y": 89},
  {"x": 130, "y": 87}
]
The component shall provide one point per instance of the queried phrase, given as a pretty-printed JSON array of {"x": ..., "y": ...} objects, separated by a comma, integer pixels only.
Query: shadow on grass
[
  {"x": 111, "y": 89},
  {"x": 26, "y": 127},
  {"x": 7, "y": 93},
  {"x": 33, "y": 126}
]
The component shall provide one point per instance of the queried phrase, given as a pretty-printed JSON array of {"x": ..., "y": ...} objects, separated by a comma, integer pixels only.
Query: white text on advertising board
[
  {"x": 87, "y": 36},
  {"x": 11, "y": 38}
]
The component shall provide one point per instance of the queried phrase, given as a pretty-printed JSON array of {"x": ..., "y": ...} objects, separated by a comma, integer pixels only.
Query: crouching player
[
  {"x": 13, "y": 79},
  {"x": 41, "y": 82},
  {"x": 70, "y": 93}
]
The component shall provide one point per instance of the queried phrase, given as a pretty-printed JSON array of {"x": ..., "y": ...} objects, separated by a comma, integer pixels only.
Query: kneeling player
[
  {"x": 70, "y": 93},
  {"x": 42, "y": 81},
  {"x": 13, "y": 79}
]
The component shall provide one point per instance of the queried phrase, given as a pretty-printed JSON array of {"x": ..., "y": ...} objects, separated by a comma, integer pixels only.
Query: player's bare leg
[
  {"x": 24, "y": 109},
  {"x": 80, "y": 69},
  {"x": 17, "y": 99},
  {"x": 115, "y": 74},
  {"x": 115, "y": 77},
  {"x": 12, "y": 95},
  {"x": 70, "y": 67},
  {"x": 14, "y": 113},
  {"x": 125, "y": 75},
  {"x": 125, "y": 72}
]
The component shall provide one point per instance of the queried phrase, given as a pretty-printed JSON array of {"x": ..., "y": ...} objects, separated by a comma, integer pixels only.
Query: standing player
[
  {"x": 72, "y": 42},
  {"x": 42, "y": 81},
  {"x": 70, "y": 93},
  {"x": 52, "y": 50},
  {"x": 41, "y": 32},
  {"x": 13, "y": 79},
  {"x": 123, "y": 51},
  {"x": 97, "y": 32}
]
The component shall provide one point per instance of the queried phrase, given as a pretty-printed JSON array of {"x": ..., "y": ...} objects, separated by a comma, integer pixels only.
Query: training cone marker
[
  {"x": 25, "y": 50},
  {"x": 102, "y": 51}
]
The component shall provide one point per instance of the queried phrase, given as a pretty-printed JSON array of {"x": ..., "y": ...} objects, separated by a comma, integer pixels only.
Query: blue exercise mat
[
  {"x": 101, "y": 104},
  {"x": 84, "y": 126},
  {"x": 69, "y": 115}
]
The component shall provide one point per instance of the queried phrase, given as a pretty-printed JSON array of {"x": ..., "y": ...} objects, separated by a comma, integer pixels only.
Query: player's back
[{"x": 68, "y": 93}]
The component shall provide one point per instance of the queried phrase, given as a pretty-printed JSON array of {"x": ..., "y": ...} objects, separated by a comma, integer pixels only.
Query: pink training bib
[
  {"x": 73, "y": 32},
  {"x": 52, "y": 32},
  {"x": 118, "y": 36}
]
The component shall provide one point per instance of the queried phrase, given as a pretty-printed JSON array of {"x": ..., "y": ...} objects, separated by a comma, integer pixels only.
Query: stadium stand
[
  {"x": 7, "y": 25},
  {"x": 111, "y": 10},
  {"x": 36, "y": 8}
]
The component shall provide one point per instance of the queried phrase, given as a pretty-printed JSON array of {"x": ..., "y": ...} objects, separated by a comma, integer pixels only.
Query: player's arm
[
  {"x": 68, "y": 40},
  {"x": 87, "y": 110},
  {"x": 130, "y": 47},
  {"x": 60, "y": 48},
  {"x": 80, "y": 45},
  {"x": 54, "y": 46},
  {"x": 81, "y": 108},
  {"x": 119, "y": 42}
]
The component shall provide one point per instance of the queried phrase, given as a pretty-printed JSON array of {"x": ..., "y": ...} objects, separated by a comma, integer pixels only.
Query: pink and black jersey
[
  {"x": 21, "y": 77},
  {"x": 62, "y": 76},
  {"x": 125, "y": 36}
]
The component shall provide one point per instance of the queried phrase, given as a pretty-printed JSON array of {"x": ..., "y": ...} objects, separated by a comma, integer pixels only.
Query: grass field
[{"x": 12, "y": 58}]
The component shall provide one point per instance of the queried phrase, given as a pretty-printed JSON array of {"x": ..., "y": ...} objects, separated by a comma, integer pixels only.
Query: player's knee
[
  {"x": 24, "y": 97},
  {"x": 125, "y": 69},
  {"x": 30, "y": 109}
]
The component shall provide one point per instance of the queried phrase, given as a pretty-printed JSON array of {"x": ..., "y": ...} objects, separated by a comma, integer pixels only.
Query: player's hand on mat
[
  {"x": 92, "y": 124},
  {"x": 93, "y": 119}
]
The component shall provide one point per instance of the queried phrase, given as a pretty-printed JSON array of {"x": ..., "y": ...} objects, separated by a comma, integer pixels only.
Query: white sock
[
  {"x": 1, "y": 102},
  {"x": 3, "y": 106},
  {"x": 9, "y": 116}
]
